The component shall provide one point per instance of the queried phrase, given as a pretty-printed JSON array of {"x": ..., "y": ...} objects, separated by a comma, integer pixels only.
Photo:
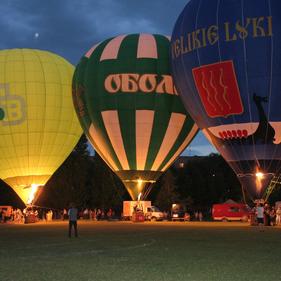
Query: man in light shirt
[
  {"x": 260, "y": 215},
  {"x": 72, "y": 214}
]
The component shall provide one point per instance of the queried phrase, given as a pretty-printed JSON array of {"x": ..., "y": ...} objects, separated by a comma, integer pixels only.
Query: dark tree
[
  {"x": 69, "y": 182},
  {"x": 107, "y": 190},
  {"x": 207, "y": 180},
  {"x": 167, "y": 194},
  {"x": 82, "y": 147},
  {"x": 9, "y": 197}
]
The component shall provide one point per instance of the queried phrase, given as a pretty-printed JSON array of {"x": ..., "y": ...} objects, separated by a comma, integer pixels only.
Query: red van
[{"x": 231, "y": 212}]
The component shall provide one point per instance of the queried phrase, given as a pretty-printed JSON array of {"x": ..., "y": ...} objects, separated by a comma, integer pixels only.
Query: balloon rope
[
  {"x": 244, "y": 195},
  {"x": 147, "y": 191},
  {"x": 272, "y": 185}
]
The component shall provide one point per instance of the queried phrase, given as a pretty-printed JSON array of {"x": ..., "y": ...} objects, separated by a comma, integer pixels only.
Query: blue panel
[{"x": 226, "y": 63}]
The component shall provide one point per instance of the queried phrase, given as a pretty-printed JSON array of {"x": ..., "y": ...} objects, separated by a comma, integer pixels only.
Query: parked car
[
  {"x": 179, "y": 213},
  {"x": 231, "y": 212}
]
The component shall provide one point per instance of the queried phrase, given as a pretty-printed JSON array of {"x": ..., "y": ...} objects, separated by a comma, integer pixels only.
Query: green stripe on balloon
[
  {"x": 126, "y": 106},
  {"x": 77, "y": 91},
  {"x": 128, "y": 117},
  {"x": 79, "y": 80},
  {"x": 94, "y": 82},
  {"x": 160, "y": 125},
  {"x": 128, "y": 50},
  {"x": 163, "y": 53}
]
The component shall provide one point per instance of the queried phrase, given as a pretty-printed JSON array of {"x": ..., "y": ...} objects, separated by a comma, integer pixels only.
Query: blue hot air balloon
[{"x": 226, "y": 64}]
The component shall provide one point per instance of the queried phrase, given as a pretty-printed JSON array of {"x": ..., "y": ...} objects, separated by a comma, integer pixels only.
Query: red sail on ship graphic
[{"x": 218, "y": 89}]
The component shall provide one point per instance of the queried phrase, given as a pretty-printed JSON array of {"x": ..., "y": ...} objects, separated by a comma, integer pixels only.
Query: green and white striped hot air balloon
[{"x": 129, "y": 109}]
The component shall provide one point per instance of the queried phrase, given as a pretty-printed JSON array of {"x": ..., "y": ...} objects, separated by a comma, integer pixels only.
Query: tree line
[{"x": 84, "y": 179}]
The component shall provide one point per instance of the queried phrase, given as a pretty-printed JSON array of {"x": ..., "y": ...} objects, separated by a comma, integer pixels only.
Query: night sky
[{"x": 69, "y": 28}]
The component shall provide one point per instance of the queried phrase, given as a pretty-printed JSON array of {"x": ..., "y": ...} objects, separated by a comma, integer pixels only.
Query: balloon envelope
[
  {"x": 226, "y": 64},
  {"x": 39, "y": 127},
  {"x": 129, "y": 109}
]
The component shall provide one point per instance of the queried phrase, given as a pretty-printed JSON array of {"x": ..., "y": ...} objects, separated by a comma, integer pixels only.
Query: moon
[{"x": 36, "y": 35}]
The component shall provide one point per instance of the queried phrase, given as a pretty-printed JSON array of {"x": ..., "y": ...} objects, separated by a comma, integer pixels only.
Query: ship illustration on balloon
[{"x": 220, "y": 96}]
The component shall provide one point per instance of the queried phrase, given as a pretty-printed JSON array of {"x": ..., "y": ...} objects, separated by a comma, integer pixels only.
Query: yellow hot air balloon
[{"x": 38, "y": 124}]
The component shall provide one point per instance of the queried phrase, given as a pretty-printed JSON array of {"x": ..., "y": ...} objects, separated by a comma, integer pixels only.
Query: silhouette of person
[{"x": 72, "y": 214}]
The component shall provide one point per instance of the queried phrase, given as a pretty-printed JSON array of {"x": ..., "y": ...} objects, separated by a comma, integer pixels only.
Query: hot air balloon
[
  {"x": 130, "y": 111},
  {"x": 227, "y": 68},
  {"x": 38, "y": 124}
]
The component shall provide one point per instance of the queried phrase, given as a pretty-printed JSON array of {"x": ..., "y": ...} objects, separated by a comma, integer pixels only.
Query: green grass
[{"x": 110, "y": 251}]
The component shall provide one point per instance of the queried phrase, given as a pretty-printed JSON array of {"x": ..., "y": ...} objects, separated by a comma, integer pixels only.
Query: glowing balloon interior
[
  {"x": 227, "y": 66},
  {"x": 38, "y": 124},
  {"x": 129, "y": 109}
]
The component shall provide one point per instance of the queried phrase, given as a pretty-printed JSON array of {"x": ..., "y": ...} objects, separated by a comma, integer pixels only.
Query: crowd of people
[
  {"x": 264, "y": 214},
  {"x": 198, "y": 216},
  {"x": 96, "y": 214},
  {"x": 9, "y": 213},
  {"x": 33, "y": 214}
]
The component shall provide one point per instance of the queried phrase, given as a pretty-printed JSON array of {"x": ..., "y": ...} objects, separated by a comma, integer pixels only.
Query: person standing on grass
[
  {"x": 260, "y": 214},
  {"x": 72, "y": 215},
  {"x": 266, "y": 214}
]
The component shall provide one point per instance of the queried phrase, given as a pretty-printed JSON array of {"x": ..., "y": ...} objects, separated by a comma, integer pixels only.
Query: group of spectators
[
  {"x": 266, "y": 215},
  {"x": 188, "y": 216},
  {"x": 198, "y": 216},
  {"x": 9, "y": 214},
  {"x": 262, "y": 214},
  {"x": 33, "y": 214},
  {"x": 93, "y": 214}
]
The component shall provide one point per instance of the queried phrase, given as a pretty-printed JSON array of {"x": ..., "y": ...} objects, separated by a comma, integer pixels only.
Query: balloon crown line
[
  {"x": 253, "y": 175},
  {"x": 140, "y": 181}
]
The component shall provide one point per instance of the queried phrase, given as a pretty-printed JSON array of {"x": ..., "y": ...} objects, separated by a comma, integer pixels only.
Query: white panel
[
  {"x": 174, "y": 128},
  {"x": 111, "y": 123},
  {"x": 147, "y": 47},
  {"x": 144, "y": 124},
  {"x": 101, "y": 147},
  {"x": 112, "y": 48},
  {"x": 182, "y": 147}
]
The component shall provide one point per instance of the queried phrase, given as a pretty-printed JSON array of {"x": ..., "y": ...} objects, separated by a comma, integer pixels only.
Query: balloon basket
[
  {"x": 138, "y": 217},
  {"x": 30, "y": 219}
]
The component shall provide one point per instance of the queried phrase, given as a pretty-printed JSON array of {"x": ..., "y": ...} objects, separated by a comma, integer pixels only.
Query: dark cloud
[{"x": 69, "y": 28}]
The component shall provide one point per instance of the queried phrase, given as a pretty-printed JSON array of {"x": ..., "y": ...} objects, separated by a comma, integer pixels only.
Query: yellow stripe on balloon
[
  {"x": 147, "y": 47},
  {"x": 174, "y": 128},
  {"x": 101, "y": 147},
  {"x": 111, "y": 50},
  {"x": 182, "y": 147},
  {"x": 112, "y": 126},
  {"x": 89, "y": 53}
]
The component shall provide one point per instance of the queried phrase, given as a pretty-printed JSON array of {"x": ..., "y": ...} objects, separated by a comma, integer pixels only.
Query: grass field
[{"x": 120, "y": 251}]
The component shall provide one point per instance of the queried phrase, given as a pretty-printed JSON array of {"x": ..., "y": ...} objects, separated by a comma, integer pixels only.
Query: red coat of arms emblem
[{"x": 218, "y": 89}]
